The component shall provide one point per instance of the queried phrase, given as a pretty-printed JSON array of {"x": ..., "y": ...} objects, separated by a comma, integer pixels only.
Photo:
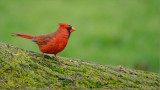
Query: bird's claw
[
  {"x": 43, "y": 58},
  {"x": 58, "y": 60}
]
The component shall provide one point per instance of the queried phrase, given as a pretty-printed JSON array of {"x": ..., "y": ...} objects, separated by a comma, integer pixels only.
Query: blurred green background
[{"x": 110, "y": 32}]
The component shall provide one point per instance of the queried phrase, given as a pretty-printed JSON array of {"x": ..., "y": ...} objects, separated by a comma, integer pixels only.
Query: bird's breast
[{"x": 54, "y": 46}]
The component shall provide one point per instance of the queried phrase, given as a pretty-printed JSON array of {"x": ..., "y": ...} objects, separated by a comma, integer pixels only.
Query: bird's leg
[
  {"x": 57, "y": 59},
  {"x": 43, "y": 57}
]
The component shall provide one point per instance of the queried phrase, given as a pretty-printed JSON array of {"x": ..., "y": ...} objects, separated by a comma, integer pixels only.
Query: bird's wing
[{"x": 44, "y": 39}]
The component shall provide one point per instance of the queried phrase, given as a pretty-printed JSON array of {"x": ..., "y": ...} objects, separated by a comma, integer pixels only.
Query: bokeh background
[{"x": 110, "y": 32}]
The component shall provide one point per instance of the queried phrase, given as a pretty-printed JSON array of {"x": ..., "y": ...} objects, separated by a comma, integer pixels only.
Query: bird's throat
[{"x": 69, "y": 33}]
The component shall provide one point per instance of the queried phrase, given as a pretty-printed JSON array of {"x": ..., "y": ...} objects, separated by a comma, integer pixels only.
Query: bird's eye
[{"x": 69, "y": 28}]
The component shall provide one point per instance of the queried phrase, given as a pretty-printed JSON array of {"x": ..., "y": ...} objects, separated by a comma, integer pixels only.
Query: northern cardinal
[{"x": 51, "y": 43}]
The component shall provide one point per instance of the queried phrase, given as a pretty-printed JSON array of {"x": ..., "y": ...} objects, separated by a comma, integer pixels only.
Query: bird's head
[{"x": 67, "y": 26}]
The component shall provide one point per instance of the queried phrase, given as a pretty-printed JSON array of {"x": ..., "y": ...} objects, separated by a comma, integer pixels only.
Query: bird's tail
[{"x": 23, "y": 35}]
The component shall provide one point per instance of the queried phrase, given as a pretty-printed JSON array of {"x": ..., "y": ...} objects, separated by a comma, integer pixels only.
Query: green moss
[{"x": 25, "y": 69}]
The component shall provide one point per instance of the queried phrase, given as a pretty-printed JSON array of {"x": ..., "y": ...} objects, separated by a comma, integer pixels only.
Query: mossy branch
[{"x": 25, "y": 69}]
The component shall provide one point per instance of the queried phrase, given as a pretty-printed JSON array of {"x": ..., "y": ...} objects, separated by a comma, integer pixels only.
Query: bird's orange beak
[{"x": 73, "y": 29}]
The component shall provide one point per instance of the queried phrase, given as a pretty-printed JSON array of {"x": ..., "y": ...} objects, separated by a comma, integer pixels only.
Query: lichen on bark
[{"x": 26, "y": 69}]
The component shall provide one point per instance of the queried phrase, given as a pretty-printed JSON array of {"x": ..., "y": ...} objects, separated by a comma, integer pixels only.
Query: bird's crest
[{"x": 64, "y": 25}]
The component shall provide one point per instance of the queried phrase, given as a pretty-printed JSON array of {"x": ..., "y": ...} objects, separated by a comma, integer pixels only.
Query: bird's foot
[
  {"x": 43, "y": 58},
  {"x": 58, "y": 60}
]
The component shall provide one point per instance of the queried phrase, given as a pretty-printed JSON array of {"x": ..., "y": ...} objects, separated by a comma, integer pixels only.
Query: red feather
[{"x": 51, "y": 43}]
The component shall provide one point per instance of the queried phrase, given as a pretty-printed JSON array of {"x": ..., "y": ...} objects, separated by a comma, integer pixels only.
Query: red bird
[{"x": 51, "y": 43}]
